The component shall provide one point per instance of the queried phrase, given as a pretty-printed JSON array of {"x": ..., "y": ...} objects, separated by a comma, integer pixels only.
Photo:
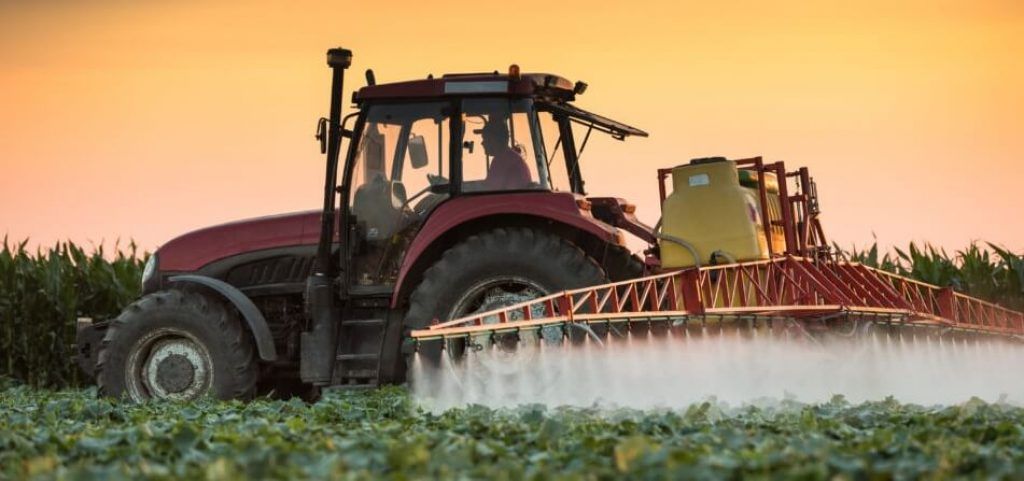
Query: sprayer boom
[{"x": 818, "y": 296}]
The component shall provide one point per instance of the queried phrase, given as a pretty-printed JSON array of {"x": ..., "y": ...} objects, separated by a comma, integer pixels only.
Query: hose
[
  {"x": 676, "y": 240},
  {"x": 729, "y": 257}
]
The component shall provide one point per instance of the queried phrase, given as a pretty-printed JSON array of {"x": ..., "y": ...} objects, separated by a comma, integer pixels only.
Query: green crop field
[{"x": 73, "y": 435}]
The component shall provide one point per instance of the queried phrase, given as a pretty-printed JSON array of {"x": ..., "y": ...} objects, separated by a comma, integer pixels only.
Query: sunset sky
[{"x": 145, "y": 120}]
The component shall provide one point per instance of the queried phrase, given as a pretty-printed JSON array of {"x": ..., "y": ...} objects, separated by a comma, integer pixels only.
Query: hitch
[{"x": 88, "y": 337}]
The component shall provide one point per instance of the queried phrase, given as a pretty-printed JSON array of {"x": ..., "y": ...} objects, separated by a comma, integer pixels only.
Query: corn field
[
  {"x": 42, "y": 293},
  {"x": 41, "y": 296},
  {"x": 992, "y": 273}
]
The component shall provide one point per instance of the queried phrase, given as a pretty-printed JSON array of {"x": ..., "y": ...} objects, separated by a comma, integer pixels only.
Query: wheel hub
[
  {"x": 497, "y": 298},
  {"x": 504, "y": 354},
  {"x": 173, "y": 367},
  {"x": 175, "y": 373}
]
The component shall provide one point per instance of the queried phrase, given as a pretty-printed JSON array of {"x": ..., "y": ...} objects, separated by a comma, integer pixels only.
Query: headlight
[{"x": 149, "y": 271}]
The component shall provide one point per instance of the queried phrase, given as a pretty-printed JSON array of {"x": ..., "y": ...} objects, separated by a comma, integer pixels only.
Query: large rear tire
[
  {"x": 177, "y": 345},
  {"x": 495, "y": 268}
]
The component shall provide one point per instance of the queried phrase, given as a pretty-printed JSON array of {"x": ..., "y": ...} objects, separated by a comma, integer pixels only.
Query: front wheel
[{"x": 177, "y": 345}]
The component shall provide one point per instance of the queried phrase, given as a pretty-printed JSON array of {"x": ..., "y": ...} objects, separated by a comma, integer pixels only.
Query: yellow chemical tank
[{"x": 711, "y": 211}]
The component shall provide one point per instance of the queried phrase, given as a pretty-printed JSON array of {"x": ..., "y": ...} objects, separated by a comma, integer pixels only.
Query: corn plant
[
  {"x": 992, "y": 273},
  {"x": 43, "y": 293},
  {"x": 869, "y": 257}
]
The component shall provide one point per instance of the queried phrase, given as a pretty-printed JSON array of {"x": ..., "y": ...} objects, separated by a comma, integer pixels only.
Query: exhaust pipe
[{"x": 319, "y": 345}]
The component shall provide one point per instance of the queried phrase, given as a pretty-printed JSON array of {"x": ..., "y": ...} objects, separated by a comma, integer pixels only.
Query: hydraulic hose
[
  {"x": 728, "y": 257},
  {"x": 678, "y": 241}
]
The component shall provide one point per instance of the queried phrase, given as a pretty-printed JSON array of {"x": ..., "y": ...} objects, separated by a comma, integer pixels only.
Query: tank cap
[{"x": 707, "y": 160}]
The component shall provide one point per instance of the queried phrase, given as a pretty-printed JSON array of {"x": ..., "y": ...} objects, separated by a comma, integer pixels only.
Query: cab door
[{"x": 403, "y": 151}]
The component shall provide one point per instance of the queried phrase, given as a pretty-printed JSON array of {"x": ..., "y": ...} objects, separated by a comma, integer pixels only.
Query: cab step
[
  {"x": 369, "y": 356},
  {"x": 352, "y": 387},
  {"x": 363, "y": 322},
  {"x": 357, "y": 368}
]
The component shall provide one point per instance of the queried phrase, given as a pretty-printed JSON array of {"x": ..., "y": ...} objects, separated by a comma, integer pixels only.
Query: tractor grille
[{"x": 277, "y": 270}]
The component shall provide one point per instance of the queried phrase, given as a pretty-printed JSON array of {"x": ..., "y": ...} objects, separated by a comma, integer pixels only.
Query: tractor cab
[{"x": 420, "y": 143}]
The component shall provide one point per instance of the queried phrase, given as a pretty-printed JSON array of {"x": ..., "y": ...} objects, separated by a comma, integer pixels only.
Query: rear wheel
[
  {"x": 494, "y": 269},
  {"x": 177, "y": 345}
]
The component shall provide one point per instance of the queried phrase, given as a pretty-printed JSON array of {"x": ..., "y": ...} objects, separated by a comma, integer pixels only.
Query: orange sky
[{"x": 148, "y": 119}]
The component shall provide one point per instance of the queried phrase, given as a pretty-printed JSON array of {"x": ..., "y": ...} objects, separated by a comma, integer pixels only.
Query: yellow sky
[{"x": 148, "y": 119}]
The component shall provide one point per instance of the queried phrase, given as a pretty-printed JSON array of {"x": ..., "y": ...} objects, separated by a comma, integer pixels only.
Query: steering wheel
[
  {"x": 436, "y": 179},
  {"x": 433, "y": 180},
  {"x": 405, "y": 205}
]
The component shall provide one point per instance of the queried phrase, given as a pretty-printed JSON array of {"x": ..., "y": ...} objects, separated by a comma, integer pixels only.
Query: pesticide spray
[{"x": 691, "y": 366}]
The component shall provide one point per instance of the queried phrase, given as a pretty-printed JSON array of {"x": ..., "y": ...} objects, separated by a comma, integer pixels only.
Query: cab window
[
  {"x": 554, "y": 151},
  {"x": 502, "y": 147}
]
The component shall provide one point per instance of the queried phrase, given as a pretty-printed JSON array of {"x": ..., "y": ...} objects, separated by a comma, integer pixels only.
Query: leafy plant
[{"x": 384, "y": 435}]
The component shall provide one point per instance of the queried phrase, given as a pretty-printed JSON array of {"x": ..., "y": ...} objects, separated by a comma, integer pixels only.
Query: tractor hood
[{"x": 192, "y": 251}]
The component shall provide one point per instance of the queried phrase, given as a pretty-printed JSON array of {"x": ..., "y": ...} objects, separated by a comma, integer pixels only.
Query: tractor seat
[{"x": 376, "y": 206}]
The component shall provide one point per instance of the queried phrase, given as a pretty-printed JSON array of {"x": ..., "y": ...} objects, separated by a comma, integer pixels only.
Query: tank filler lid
[{"x": 707, "y": 160}]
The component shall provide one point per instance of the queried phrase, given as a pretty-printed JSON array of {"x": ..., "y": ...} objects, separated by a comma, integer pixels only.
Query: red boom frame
[{"x": 789, "y": 287}]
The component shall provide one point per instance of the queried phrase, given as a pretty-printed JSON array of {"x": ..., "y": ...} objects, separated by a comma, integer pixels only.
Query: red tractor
[{"x": 458, "y": 195}]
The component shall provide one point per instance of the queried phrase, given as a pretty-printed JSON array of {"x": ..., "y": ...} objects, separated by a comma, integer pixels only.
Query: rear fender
[
  {"x": 466, "y": 215},
  {"x": 252, "y": 315}
]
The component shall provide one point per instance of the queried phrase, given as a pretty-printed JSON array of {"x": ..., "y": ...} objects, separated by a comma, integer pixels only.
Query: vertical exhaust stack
[{"x": 320, "y": 344}]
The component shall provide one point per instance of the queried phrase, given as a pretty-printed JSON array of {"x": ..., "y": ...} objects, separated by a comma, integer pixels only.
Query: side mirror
[{"x": 418, "y": 152}]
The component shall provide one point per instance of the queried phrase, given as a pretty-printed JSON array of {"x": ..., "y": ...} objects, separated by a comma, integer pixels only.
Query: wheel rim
[
  {"x": 169, "y": 364},
  {"x": 494, "y": 293},
  {"x": 505, "y": 356}
]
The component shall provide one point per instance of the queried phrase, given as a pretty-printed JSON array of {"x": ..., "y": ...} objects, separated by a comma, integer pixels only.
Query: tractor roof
[
  {"x": 557, "y": 91},
  {"x": 525, "y": 85}
]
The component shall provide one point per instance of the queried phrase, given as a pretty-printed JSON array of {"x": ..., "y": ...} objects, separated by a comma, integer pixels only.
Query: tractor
[
  {"x": 458, "y": 228},
  {"x": 458, "y": 195}
]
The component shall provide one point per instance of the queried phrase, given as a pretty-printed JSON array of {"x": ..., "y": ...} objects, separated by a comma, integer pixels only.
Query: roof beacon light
[
  {"x": 513, "y": 72},
  {"x": 579, "y": 88}
]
